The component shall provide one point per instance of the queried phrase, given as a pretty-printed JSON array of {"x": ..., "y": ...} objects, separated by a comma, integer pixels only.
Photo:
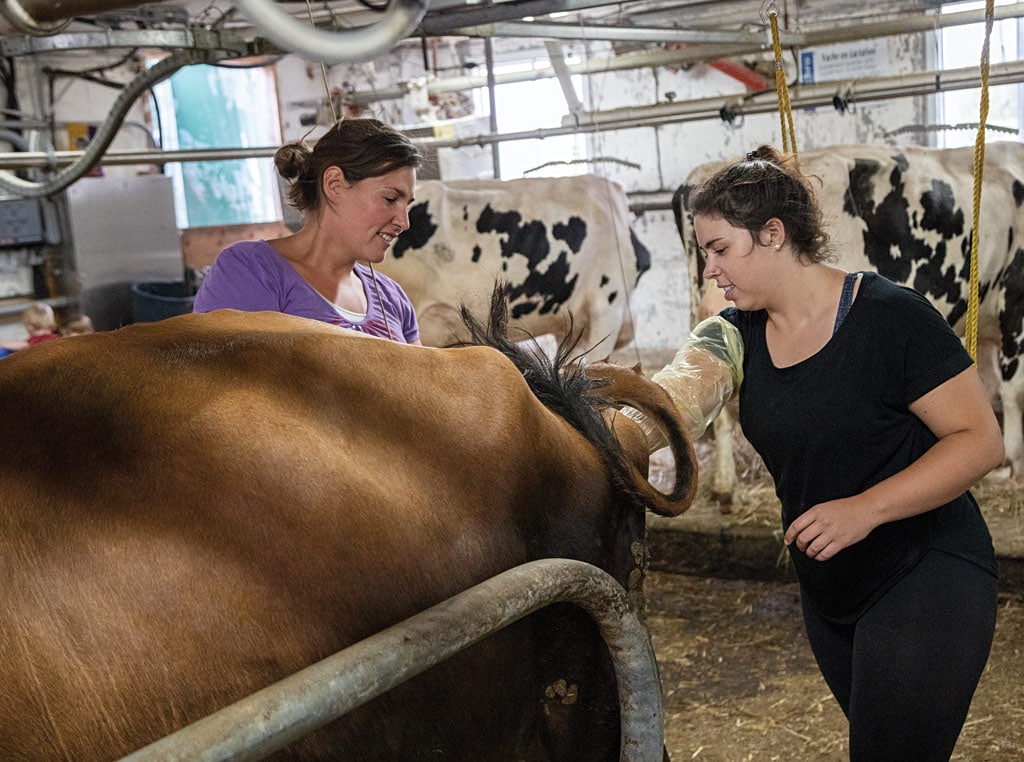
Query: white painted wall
[{"x": 665, "y": 154}]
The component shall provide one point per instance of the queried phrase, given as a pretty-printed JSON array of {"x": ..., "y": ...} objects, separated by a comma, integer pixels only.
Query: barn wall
[
  {"x": 672, "y": 151},
  {"x": 665, "y": 154}
]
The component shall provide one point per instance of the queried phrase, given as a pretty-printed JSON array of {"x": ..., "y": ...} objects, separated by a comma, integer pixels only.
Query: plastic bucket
[{"x": 157, "y": 300}]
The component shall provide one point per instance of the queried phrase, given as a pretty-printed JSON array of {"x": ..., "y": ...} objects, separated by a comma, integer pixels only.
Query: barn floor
[
  {"x": 738, "y": 679},
  {"x": 739, "y": 683}
]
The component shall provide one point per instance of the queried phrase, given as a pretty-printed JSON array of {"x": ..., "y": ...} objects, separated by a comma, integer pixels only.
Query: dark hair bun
[{"x": 290, "y": 160}]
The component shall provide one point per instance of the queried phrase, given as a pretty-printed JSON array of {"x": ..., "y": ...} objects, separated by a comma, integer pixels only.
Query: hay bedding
[{"x": 739, "y": 682}]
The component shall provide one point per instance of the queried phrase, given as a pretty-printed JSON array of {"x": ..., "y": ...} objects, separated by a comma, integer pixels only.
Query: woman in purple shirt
[{"x": 353, "y": 189}]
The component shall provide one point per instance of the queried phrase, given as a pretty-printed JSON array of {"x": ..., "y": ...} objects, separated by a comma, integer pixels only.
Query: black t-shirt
[{"x": 838, "y": 422}]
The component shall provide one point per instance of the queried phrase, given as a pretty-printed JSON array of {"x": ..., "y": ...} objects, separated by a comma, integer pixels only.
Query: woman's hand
[{"x": 827, "y": 528}]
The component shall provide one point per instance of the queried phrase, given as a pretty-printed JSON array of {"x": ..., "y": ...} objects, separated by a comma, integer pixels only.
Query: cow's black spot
[
  {"x": 942, "y": 284},
  {"x": 612, "y": 297},
  {"x": 528, "y": 239},
  {"x": 604, "y": 280},
  {"x": 524, "y": 308},
  {"x": 573, "y": 232},
  {"x": 860, "y": 196},
  {"x": 477, "y": 251},
  {"x": 940, "y": 211},
  {"x": 553, "y": 286},
  {"x": 1018, "y": 192},
  {"x": 889, "y": 243},
  {"x": 641, "y": 253},
  {"x": 1011, "y": 319},
  {"x": 421, "y": 229}
]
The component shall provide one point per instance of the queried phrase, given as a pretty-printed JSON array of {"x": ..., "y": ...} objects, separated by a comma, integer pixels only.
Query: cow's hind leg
[
  {"x": 724, "y": 486},
  {"x": 1012, "y": 395}
]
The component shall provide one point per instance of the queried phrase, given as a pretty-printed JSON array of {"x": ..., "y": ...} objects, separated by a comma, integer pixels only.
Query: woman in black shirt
[{"x": 874, "y": 423}]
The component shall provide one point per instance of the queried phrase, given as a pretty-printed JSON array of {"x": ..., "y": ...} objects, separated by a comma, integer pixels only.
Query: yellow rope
[
  {"x": 782, "y": 87},
  {"x": 971, "y": 327}
]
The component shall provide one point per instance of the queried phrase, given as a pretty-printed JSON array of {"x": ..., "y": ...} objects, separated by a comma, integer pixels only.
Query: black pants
[{"x": 906, "y": 671}]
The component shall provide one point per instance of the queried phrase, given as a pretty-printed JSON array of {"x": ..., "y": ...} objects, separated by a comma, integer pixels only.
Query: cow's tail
[
  {"x": 581, "y": 393},
  {"x": 626, "y": 386}
]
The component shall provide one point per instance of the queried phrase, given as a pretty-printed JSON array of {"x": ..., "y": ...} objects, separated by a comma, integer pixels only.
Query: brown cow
[{"x": 196, "y": 508}]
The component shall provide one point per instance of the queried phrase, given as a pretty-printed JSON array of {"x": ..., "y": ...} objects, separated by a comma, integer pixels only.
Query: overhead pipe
[
  {"x": 444, "y": 22},
  {"x": 557, "y": 59},
  {"x": 740, "y": 44},
  {"x": 341, "y": 46},
  {"x": 47, "y": 12},
  {"x": 806, "y": 96},
  {"x": 580, "y": 32},
  {"x": 105, "y": 134},
  {"x": 802, "y": 96},
  {"x": 748, "y": 77},
  {"x": 592, "y": 66}
]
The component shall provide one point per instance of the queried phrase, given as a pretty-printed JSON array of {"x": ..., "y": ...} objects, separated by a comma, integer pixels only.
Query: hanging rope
[
  {"x": 971, "y": 328},
  {"x": 782, "y": 87}
]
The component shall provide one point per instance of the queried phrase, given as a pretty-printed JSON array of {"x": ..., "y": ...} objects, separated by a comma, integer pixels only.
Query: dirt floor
[{"x": 738, "y": 678}]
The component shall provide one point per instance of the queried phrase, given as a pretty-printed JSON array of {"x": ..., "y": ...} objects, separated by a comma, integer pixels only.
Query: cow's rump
[{"x": 196, "y": 508}]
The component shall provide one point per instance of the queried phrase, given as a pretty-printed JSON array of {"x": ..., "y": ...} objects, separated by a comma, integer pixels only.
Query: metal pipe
[
  {"x": 807, "y": 96},
  {"x": 49, "y": 11},
  {"x": 593, "y": 66},
  {"x": 105, "y": 134},
  {"x": 802, "y": 96},
  {"x": 346, "y": 45},
  {"x": 445, "y": 22},
  {"x": 745, "y": 45},
  {"x": 909, "y": 25},
  {"x": 278, "y": 715},
  {"x": 168, "y": 39},
  {"x": 15, "y": 309},
  {"x": 492, "y": 100},
  {"x": 562, "y": 31},
  {"x": 557, "y": 59}
]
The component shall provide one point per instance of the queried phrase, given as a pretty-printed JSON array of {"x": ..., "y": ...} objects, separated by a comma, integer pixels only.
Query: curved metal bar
[
  {"x": 21, "y": 20},
  {"x": 105, "y": 134},
  {"x": 276, "y": 716},
  {"x": 346, "y": 45}
]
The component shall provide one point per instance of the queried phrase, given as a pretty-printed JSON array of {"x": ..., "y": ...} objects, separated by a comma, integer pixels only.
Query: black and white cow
[
  {"x": 906, "y": 213},
  {"x": 563, "y": 244}
]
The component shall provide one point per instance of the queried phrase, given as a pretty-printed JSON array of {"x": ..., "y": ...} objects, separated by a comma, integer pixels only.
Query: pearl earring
[{"x": 778, "y": 246}]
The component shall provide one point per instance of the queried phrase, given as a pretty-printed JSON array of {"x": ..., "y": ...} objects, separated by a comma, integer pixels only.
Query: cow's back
[
  {"x": 906, "y": 212},
  {"x": 196, "y": 508},
  {"x": 563, "y": 244}
]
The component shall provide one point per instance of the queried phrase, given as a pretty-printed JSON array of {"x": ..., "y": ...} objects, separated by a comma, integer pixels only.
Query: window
[
  {"x": 221, "y": 107},
  {"x": 524, "y": 106},
  {"x": 960, "y": 47}
]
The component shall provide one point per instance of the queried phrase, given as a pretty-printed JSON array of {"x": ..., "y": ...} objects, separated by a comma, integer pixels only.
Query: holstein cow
[
  {"x": 195, "y": 508},
  {"x": 906, "y": 213},
  {"x": 563, "y": 244}
]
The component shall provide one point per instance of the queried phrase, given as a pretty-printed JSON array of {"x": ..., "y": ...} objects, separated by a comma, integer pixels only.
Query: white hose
[{"x": 347, "y": 45}]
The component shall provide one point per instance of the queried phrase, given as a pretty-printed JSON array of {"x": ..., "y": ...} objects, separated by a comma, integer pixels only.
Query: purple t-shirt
[{"x": 252, "y": 276}]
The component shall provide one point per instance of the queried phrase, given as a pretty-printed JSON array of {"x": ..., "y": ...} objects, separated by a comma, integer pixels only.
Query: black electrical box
[{"x": 21, "y": 222}]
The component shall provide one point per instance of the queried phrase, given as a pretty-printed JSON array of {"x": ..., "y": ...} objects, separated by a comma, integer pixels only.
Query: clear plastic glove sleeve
[{"x": 705, "y": 373}]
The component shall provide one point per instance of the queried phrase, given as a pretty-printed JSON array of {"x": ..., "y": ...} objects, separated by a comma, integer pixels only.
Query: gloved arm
[{"x": 705, "y": 373}]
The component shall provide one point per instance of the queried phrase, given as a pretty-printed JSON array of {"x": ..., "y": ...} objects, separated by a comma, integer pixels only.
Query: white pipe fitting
[{"x": 347, "y": 45}]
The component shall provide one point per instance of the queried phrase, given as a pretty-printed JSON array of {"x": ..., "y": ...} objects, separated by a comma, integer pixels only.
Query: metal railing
[{"x": 286, "y": 711}]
